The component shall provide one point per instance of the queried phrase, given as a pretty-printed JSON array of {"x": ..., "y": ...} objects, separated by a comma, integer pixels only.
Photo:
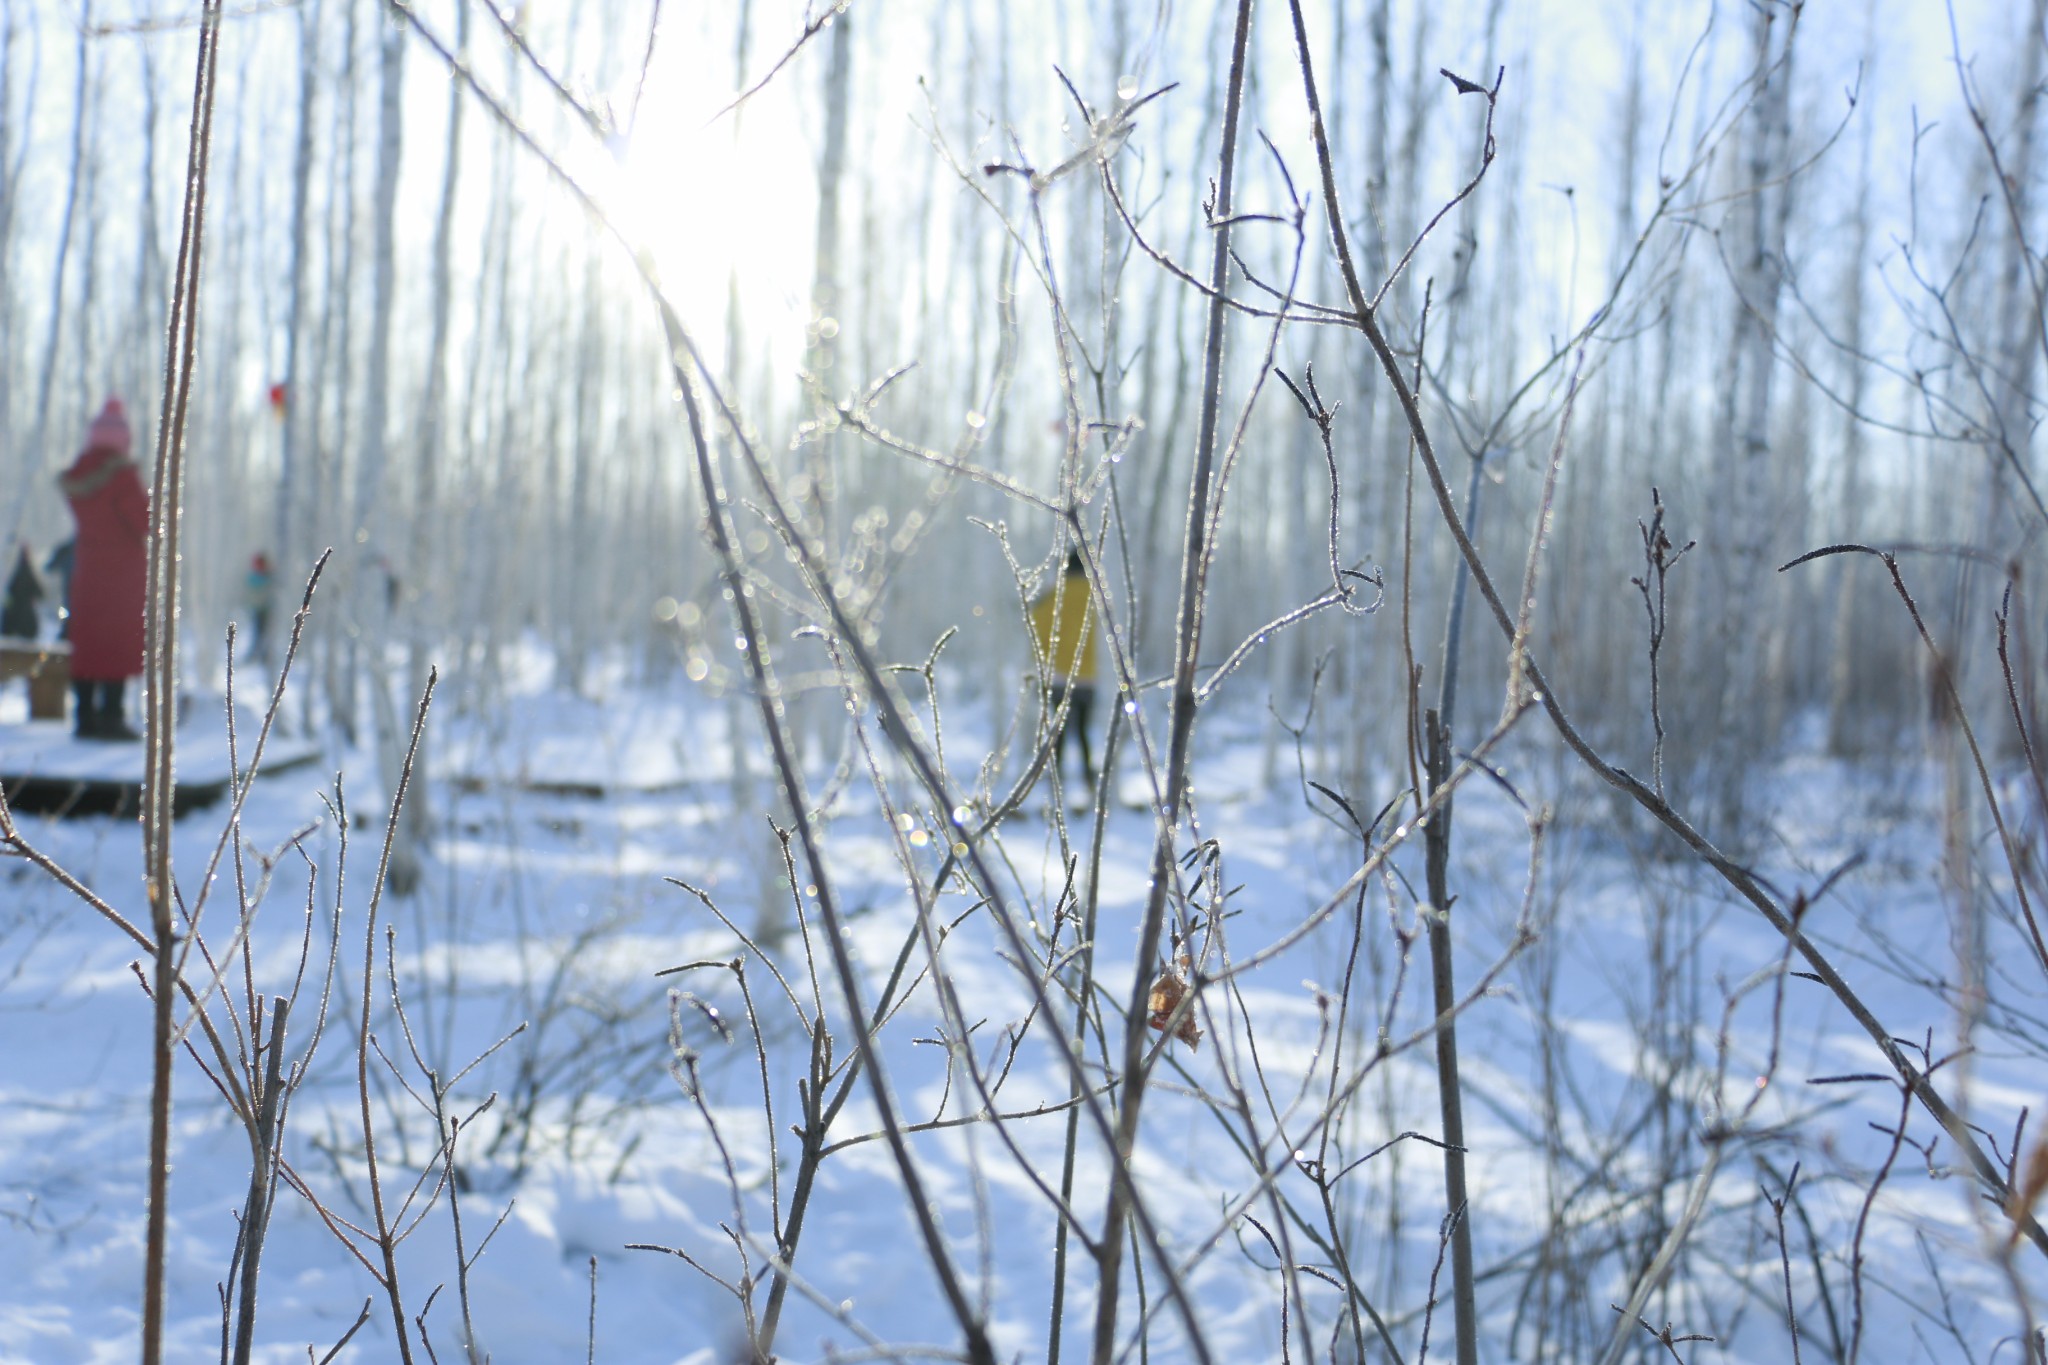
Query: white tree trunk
[
  {"x": 55, "y": 332},
  {"x": 1754, "y": 243},
  {"x": 291, "y": 536},
  {"x": 379, "y": 592}
]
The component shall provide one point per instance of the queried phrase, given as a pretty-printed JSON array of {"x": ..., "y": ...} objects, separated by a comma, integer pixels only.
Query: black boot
[
  {"x": 113, "y": 722},
  {"x": 86, "y": 695}
]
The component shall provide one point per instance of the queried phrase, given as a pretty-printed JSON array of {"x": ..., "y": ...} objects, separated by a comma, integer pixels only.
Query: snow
[{"x": 547, "y": 903}]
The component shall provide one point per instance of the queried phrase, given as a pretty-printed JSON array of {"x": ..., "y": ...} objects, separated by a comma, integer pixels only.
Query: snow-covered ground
[{"x": 1599, "y": 1068}]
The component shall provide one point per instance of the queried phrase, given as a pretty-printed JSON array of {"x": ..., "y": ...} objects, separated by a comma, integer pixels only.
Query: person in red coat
[{"x": 110, "y": 573}]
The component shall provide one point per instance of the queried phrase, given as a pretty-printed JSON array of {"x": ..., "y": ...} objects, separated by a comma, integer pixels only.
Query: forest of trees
[
  {"x": 1784, "y": 252},
  {"x": 656, "y": 333}
]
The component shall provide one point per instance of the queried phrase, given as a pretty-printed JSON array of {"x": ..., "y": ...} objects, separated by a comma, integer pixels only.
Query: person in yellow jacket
[{"x": 1063, "y": 629}]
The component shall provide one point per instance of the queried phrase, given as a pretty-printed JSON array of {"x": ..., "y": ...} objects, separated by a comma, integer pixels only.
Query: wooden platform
[{"x": 43, "y": 767}]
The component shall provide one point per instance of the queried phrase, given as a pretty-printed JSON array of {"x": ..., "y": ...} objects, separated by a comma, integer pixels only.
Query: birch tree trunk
[
  {"x": 85, "y": 311},
  {"x": 330, "y": 437},
  {"x": 434, "y": 426},
  {"x": 576, "y": 568},
  {"x": 2019, "y": 299},
  {"x": 11, "y": 163},
  {"x": 821, "y": 349},
  {"x": 137, "y": 375},
  {"x": 474, "y": 607},
  {"x": 1754, "y": 241},
  {"x": 425, "y": 616},
  {"x": 1844, "y": 705},
  {"x": 772, "y": 918},
  {"x": 53, "y": 335},
  {"x": 370, "y": 472},
  {"x": 379, "y": 598},
  {"x": 290, "y": 533}
]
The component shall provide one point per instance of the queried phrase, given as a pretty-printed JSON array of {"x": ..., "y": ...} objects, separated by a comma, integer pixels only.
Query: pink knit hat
[{"x": 109, "y": 430}]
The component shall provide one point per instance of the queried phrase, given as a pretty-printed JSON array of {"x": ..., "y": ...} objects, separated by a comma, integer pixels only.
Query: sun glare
[{"x": 726, "y": 211}]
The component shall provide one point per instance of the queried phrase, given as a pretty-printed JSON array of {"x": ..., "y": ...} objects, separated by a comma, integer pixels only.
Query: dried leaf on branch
[{"x": 1168, "y": 991}]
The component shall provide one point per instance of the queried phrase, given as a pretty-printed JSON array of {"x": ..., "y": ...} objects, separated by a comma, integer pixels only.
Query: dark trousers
[{"x": 1079, "y": 700}]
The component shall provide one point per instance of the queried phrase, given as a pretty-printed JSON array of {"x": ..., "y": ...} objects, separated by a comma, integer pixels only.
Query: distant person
[
  {"x": 394, "y": 591},
  {"x": 110, "y": 573},
  {"x": 58, "y": 566},
  {"x": 257, "y": 594},
  {"x": 20, "y": 616},
  {"x": 1063, "y": 626}
]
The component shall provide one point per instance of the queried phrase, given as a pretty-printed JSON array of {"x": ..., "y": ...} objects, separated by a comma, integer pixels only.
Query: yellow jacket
[{"x": 1064, "y": 627}]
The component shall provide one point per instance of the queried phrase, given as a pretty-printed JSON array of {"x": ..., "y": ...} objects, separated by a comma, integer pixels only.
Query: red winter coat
[{"x": 110, "y": 570}]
